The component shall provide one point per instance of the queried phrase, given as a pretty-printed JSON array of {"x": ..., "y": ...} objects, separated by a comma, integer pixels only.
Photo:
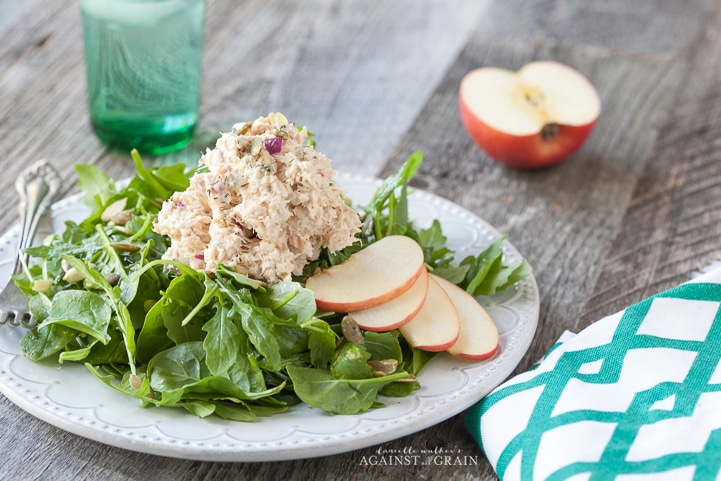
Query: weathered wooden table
[{"x": 635, "y": 211}]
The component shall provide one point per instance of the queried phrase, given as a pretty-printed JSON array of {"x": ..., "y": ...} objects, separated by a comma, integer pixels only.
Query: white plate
[{"x": 69, "y": 397}]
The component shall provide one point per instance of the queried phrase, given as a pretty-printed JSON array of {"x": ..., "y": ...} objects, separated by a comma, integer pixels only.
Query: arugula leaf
[
  {"x": 487, "y": 274},
  {"x": 223, "y": 341},
  {"x": 387, "y": 214},
  {"x": 223, "y": 345},
  {"x": 181, "y": 372},
  {"x": 258, "y": 325},
  {"x": 396, "y": 220},
  {"x": 96, "y": 185}
]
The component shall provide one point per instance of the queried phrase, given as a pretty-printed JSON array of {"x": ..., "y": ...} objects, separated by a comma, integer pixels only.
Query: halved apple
[
  {"x": 478, "y": 337},
  {"x": 436, "y": 326},
  {"x": 396, "y": 312},
  {"x": 382, "y": 271},
  {"x": 531, "y": 118}
]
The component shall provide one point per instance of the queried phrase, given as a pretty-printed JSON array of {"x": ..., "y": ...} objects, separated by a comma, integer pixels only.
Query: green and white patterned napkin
[{"x": 635, "y": 396}]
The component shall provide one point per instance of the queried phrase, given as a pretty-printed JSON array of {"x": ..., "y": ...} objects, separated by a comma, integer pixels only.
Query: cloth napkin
[{"x": 635, "y": 396}]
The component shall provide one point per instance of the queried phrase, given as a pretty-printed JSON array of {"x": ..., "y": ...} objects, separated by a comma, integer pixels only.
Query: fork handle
[{"x": 36, "y": 186}]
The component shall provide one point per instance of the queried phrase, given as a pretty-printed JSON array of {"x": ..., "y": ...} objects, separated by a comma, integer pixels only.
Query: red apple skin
[
  {"x": 351, "y": 306},
  {"x": 437, "y": 347},
  {"x": 372, "y": 276},
  {"x": 525, "y": 152},
  {"x": 481, "y": 357},
  {"x": 377, "y": 318},
  {"x": 478, "y": 337},
  {"x": 532, "y": 118},
  {"x": 436, "y": 327}
]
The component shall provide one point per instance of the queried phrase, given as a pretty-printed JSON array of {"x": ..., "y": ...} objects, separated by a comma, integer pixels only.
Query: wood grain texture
[
  {"x": 636, "y": 210},
  {"x": 562, "y": 219},
  {"x": 672, "y": 226},
  {"x": 648, "y": 27}
]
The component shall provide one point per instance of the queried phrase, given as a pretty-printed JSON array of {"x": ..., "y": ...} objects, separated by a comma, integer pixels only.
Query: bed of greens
[{"x": 225, "y": 345}]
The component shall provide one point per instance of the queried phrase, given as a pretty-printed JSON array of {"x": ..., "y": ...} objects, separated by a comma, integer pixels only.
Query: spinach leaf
[
  {"x": 183, "y": 297},
  {"x": 319, "y": 388},
  {"x": 350, "y": 361},
  {"x": 383, "y": 345},
  {"x": 83, "y": 311},
  {"x": 153, "y": 337},
  {"x": 46, "y": 341},
  {"x": 181, "y": 373},
  {"x": 288, "y": 300},
  {"x": 321, "y": 342},
  {"x": 257, "y": 323},
  {"x": 222, "y": 345}
]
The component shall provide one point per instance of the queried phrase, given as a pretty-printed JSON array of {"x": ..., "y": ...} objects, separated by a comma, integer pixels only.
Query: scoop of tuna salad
[{"x": 263, "y": 202}]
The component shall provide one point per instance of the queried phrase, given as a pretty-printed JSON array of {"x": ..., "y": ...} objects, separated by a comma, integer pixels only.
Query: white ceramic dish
[{"x": 69, "y": 397}]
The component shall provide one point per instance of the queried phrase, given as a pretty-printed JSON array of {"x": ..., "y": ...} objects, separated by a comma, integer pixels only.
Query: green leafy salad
[{"x": 222, "y": 344}]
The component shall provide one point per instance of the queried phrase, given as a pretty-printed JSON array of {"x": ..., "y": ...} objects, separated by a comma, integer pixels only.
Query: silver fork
[{"x": 37, "y": 186}]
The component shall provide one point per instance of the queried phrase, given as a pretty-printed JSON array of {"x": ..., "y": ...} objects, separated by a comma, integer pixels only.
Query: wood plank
[
  {"x": 11, "y": 10},
  {"x": 562, "y": 219},
  {"x": 325, "y": 62},
  {"x": 344, "y": 70},
  {"x": 649, "y": 27},
  {"x": 673, "y": 223},
  {"x": 359, "y": 75},
  {"x": 346, "y": 75}
]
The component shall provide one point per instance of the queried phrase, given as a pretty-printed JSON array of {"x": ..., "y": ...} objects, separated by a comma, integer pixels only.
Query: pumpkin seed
[
  {"x": 122, "y": 217},
  {"x": 243, "y": 128},
  {"x": 351, "y": 331},
  {"x": 124, "y": 247},
  {"x": 256, "y": 146},
  {"x": 113, "y": 209},
  {"x": 135, "y": 382},
  {"x": 111, "y": 277},
  {"x": 42, "y": 285},
  {"x": 278, "y": 118},
  {"x": 72, "y": 275},
  {"x": 384, "y": 367},
  {"x": 123, "y": 230}
]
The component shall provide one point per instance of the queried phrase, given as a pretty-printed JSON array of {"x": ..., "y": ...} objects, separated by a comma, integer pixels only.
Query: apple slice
[
  {"x": 396, "y": 312},
  {"x": 478, "y": 339},
  {"x": 531, "y": 118},
  {"x": 436, "y": 326},
  {"x": 382, "y": 271}
]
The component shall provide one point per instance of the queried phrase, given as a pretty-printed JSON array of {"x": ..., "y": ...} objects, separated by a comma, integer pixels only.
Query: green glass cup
[{"x": 143, "y": 65}]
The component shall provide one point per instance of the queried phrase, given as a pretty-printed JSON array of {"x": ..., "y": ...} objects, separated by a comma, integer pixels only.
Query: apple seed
[{"x": 549, "y": 132}]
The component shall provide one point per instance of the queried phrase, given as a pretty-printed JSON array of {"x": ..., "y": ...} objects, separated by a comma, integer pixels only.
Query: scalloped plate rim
[{"x": 427, "y": 407}]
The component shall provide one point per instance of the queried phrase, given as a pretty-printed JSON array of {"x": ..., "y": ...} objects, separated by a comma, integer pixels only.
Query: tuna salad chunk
[{"x": 262, "y": 202}]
